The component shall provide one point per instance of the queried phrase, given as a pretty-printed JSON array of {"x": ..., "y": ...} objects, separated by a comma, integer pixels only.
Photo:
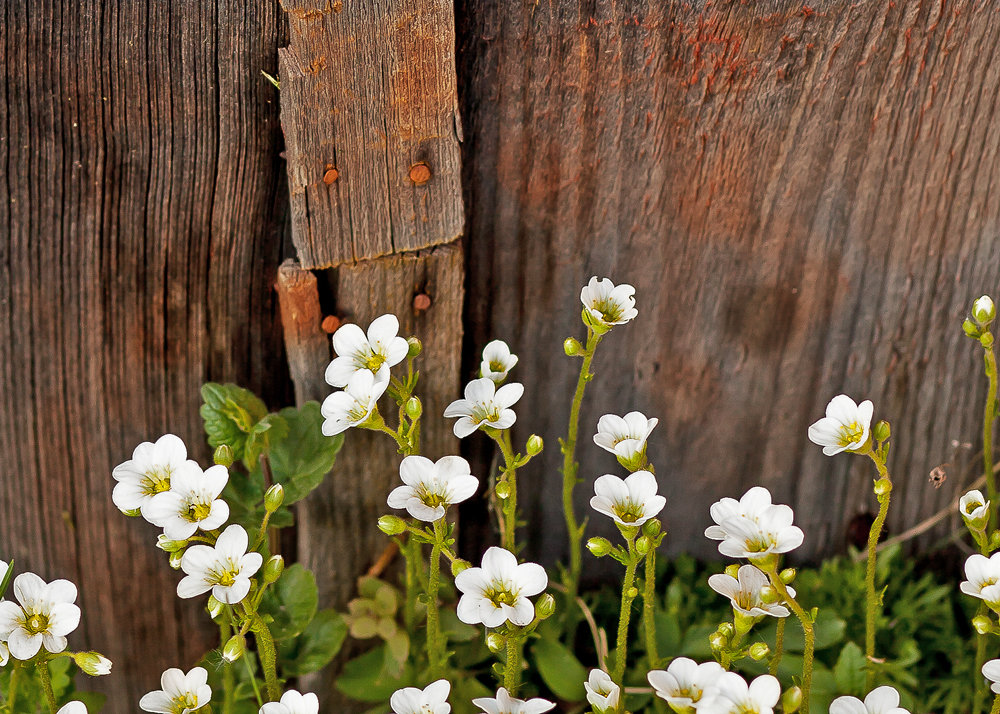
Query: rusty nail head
[
  {"x": 420, "y": 173},
  {"x": 421, "y": 301},
  {"x": 330, "y": 324},
  {"x": 331, "y": 175}
]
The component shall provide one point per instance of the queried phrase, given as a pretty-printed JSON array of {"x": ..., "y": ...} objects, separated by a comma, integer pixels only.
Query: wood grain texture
[
  {"x": 307, "y": 345},
  {"x": 804, "y": 197},
  {"x": 368, "y": 88},
  {"x": 338, "y": 537},
  {"x": 140, "y": 229}
]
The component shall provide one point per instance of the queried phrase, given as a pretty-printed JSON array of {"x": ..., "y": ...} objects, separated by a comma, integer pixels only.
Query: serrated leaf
[
  {"x": 229, "y": 413},
  {"x": 560, "y": 670}
]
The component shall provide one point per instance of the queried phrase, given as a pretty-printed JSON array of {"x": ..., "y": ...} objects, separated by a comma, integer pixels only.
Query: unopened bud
[
  {"x": 503, "y": 489},
  {"x": 599, "y": 547},
  {"x": 642, "y": 545},
  {"x": 391, "y": 525},
  {"x": 572, "y": 347},
  {"x": 632, "y": 593},
  {"x": 414, "y": 408},
  {"x": 273, "y": 569},
  {"x": 545, "y": 606},
  {"x": 970, "y": 329},
  {"x": 982, "y": 623},
  {"x": 458, "y": 565},
  {"x": 983, "y": 311},
  {"x": 175, "y": 559},
  {"x": 224, "y": 455},
  {"x": 415, "y": 348},
  {"x": 995, "y": 540},
  {"x": 93, "y": 663},
  {"x": 494, "y": 642},
  {"x": 726, "y": 630},
  {"x": 534, "y": 445},
  {"x": 132, "y": 512},
  {"x": 791, "y": 700},
  {"x": 787, "y": 575},
  {"x": 986, "y": 340},
  {"x": 758, "y": 651},
  {"x": 769, "y": 595},
  {"x": 881, "y": 431},
  {"x": 652, "y": 527},
  {"x": 733, "y": 570},
  {"x": 235, "y": 648},
  {"x": 717, "y": 641},
  {"x": 214, "y": 607},
  {"x": 274, "y": 497},
  {"x": 169, "y": 546},
  {"x": 883, "y": 486}
]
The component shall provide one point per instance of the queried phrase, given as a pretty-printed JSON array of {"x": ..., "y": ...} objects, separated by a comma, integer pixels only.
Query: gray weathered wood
[
  {"x": 368, "y": 93},
  {"x": 804, "y": 198}
]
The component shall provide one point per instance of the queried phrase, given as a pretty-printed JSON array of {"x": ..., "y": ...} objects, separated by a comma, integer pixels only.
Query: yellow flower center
[
  {"x": 374, "y": 362},
  {"x": 185, "y": 701},
  {"x": 155, "y": 480},
  {"x": 628, "y": 512},
  {"x": 500, "y": 594},
  {"x": 198, "y": 512},
  {"x": 496, "y": 366},
  {"x": 850, "y": 433},
  {"x": 970, "y": 508},
  {"x": 36, "y": 623},
  {"x": 610, "y": 310}
]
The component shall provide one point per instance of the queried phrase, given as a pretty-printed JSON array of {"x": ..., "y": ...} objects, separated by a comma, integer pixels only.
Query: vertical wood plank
[{"x": 308, "y": 346}]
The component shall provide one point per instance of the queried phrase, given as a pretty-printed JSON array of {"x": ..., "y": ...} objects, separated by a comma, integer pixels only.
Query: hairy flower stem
[
  {"x": 649, "y": 609},
  {"x": 435, "y": 654},
  {"x": 411, "y": 555},
  {"x": 779, "y": 646},
  {"x": 45, "y": 677},
  {"x": 807, "y": 629},
  {"x": 628, "y": 595},
  {"x": 15, "y": 679},
  {"x": 570, "y": 468},
  {"x": 981, "y": 687},
  {"x": 873, "y": 600},
  {"x": 989, "y": 417},
  {"x": 228, "y": 676},
  {"x": 996, "y": 705},
  {"x": 512, "y": 663},
  {"x": 510, "y": 478},
  {"x": 268, "y": 657}
]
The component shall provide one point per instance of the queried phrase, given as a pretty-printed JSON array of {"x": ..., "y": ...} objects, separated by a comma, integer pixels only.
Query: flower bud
[
  {"x": 572, "y": 347},
  {"x": 235, "y": 648},
  {"x": 983, "y": 310},
  {"x": 970, "y": 329},
  {"x": 414, "y": 409},
  {"x": 545, "y": 606},
  {"x": 132, "y": 512},
  {"x": 883, "y": 486},
  {"x": 769, "y": 595},
  {"x": 274, "y": 497},
  {"x": 214, "y": 607},
  {"x": 733, "y": 570},
  {"x": 415, "y": 348},
  {"x": 881, "y": 431},
  {"x": 93, "y": 663},
  {"x": 632, "y": 593},
  {"x": 495, "y": 643},
  {"x": 503, "y": 489},
  {"x": 791, "y": 700},
  {"x": 717, "y": 641},
  {"x": 391, "y": 525},
  {"x": 273, "y": 569},
  {"x": 787, "y": 575},
  {"x": 534, "y": 445},
  {"x": 982, "y": 623},
  {"x": 652, "y": 527},
  {"x": 758, "y": 651},
  {"x": 986, "y": 340},
  {"x": 458, "y": 565},
  {"x": 726, "y": 630},
  {"x": 994, "y": 541},
  {"x": 169, "y": 546},
  {"x": 642, "y": 545},
  {"x": 175, "y": 559},
  {"x": 599, "y": 547},
  {"x": 224, "y": 455}
]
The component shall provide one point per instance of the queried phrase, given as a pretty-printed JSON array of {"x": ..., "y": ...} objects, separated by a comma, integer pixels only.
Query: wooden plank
[
  {"x": 140, "y": 229},
  {"x": 308, "y": 346},
  {"x": 337, "y": 536},
  {"x": 369, "y": 111},
  {"x": 804, "y": 197}
]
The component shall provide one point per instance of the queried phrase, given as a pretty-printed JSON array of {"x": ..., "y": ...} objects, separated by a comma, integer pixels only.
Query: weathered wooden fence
[{"x": 804, "y": 196}]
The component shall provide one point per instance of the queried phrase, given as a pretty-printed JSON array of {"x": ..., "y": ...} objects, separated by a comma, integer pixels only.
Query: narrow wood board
[{"x": 367, "y": 93}]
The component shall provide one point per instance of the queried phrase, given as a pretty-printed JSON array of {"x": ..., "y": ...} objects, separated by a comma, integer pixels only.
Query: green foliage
[{"x": 31, "y": 697}]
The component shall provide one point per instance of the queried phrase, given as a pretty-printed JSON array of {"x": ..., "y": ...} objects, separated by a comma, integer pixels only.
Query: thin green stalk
[
  {"x": 807, "y": 629},
  {"x": 996, "y": 705},
  {"x": 628, "y": 595},
  {"x": 648, "y": 609},
  {"x": 989, "y": 417},
  {"x": 981, "y": 688},
  {"x": 510, "y": 502},
  {"x": 873, "y": 600},
  {"x": 253, "y": 682},
  {"x": 512, "y": 664},
  {"x": 570, "y": 468},
  {"x": 734, "y": 645},
  {"x": 45, "y": 676},
  {"x": 435, "y": 654},
  {"x": 411, "y": 555},
  {"x": 15, "y": 679},
  {"x": 779, "y": 648},
  {"x": 228, "y": 678},
  {"x": 268, "y": 657}
]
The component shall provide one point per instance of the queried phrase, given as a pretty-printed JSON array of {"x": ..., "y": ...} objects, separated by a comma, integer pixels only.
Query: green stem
[
  {"x": 621, "y": 642},
  {"x": 779, "y": 647},
  {"x": 873, "y": 601},
  {"x": 15, "y": 679},
  {"x": 512, "y": 664},
  {"x": 648, "y": 609},
  {"x": 253, "y": 681},
  {"x": 570, "y": 467},
  {"x": 989, "y": 417},
  {"x": 733, "y": 646},
  {"x": 228, "y": 678},
  {"x": 981, "y": 688},
  {"x": 435, "y": 654},
  {"x": 411, "y": 554},
  {"x": 996, "y": 705},
  {"x": 510, "y": 503},
  {"x": 268, "y": 657},
  {"x": 807, "y": 629},
  {"x": 46, "y": 679}
]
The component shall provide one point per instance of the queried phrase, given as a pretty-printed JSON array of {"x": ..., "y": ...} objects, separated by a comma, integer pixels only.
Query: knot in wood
[{"x": 420, "y": 173}]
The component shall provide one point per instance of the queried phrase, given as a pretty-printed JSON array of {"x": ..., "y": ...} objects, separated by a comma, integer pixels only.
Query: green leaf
[
  {"x": 318, "y": 644},
  {"x": 368, "y": 679},
  {"x": 560, "y": 670},
  {"x": 291, "y": 601},
  {"x": 849, "y": 672},
  {"x": 229, "y": 413},
  {"x": 828, "y": 627},
  {"x": 695, "y": 643},
  {"x": 668, "y": 633},
  {"x": 302, "y": 459}
]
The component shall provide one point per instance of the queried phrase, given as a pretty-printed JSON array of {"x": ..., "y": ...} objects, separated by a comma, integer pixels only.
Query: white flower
[
  {"x": 147, "y": 473},
  {"x": 498, "y": 360},
  {"x": 845, "y": 427},
  {"x": 375, "y": 352},
  {"x": 225, "y": 569},
  {"x": 973, "y": 506},
  {"x": 607, "y": 304},
  {"x": 93, "y": 663},
  {"x": 743, "y": 592},
  {"x": 292, "y": 702},
  {"x": 353, "y": 406},
  {"x": 4, "y": 654},
  {"x": 484, "y": 405},
  {"x": 991, "y": 670},
  {"x": 626, "y": 436},
  {"x": 881, "y": 700},
  {"x": 191, "y": 503},
  {"x": 982, "y": 578},
  {"x": 753, "y": 528},
  {"x": 432, "y": 486},
  {"x": 46, "y": 615},
  {"x": 732, "y": 695},
  {"x": 432, "y": 699},
  {"x": 180, "y": 694},
  {"x": 630, "y": 502},
  {"x": 602, "y": 693},
  {"x": 499, "y": 590},
  {"x": 506, "y": 704},
  {"x": 685, "y": 682},
  {"x": 74, "y": 707},
  {"x": 983, "y": 310}
]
